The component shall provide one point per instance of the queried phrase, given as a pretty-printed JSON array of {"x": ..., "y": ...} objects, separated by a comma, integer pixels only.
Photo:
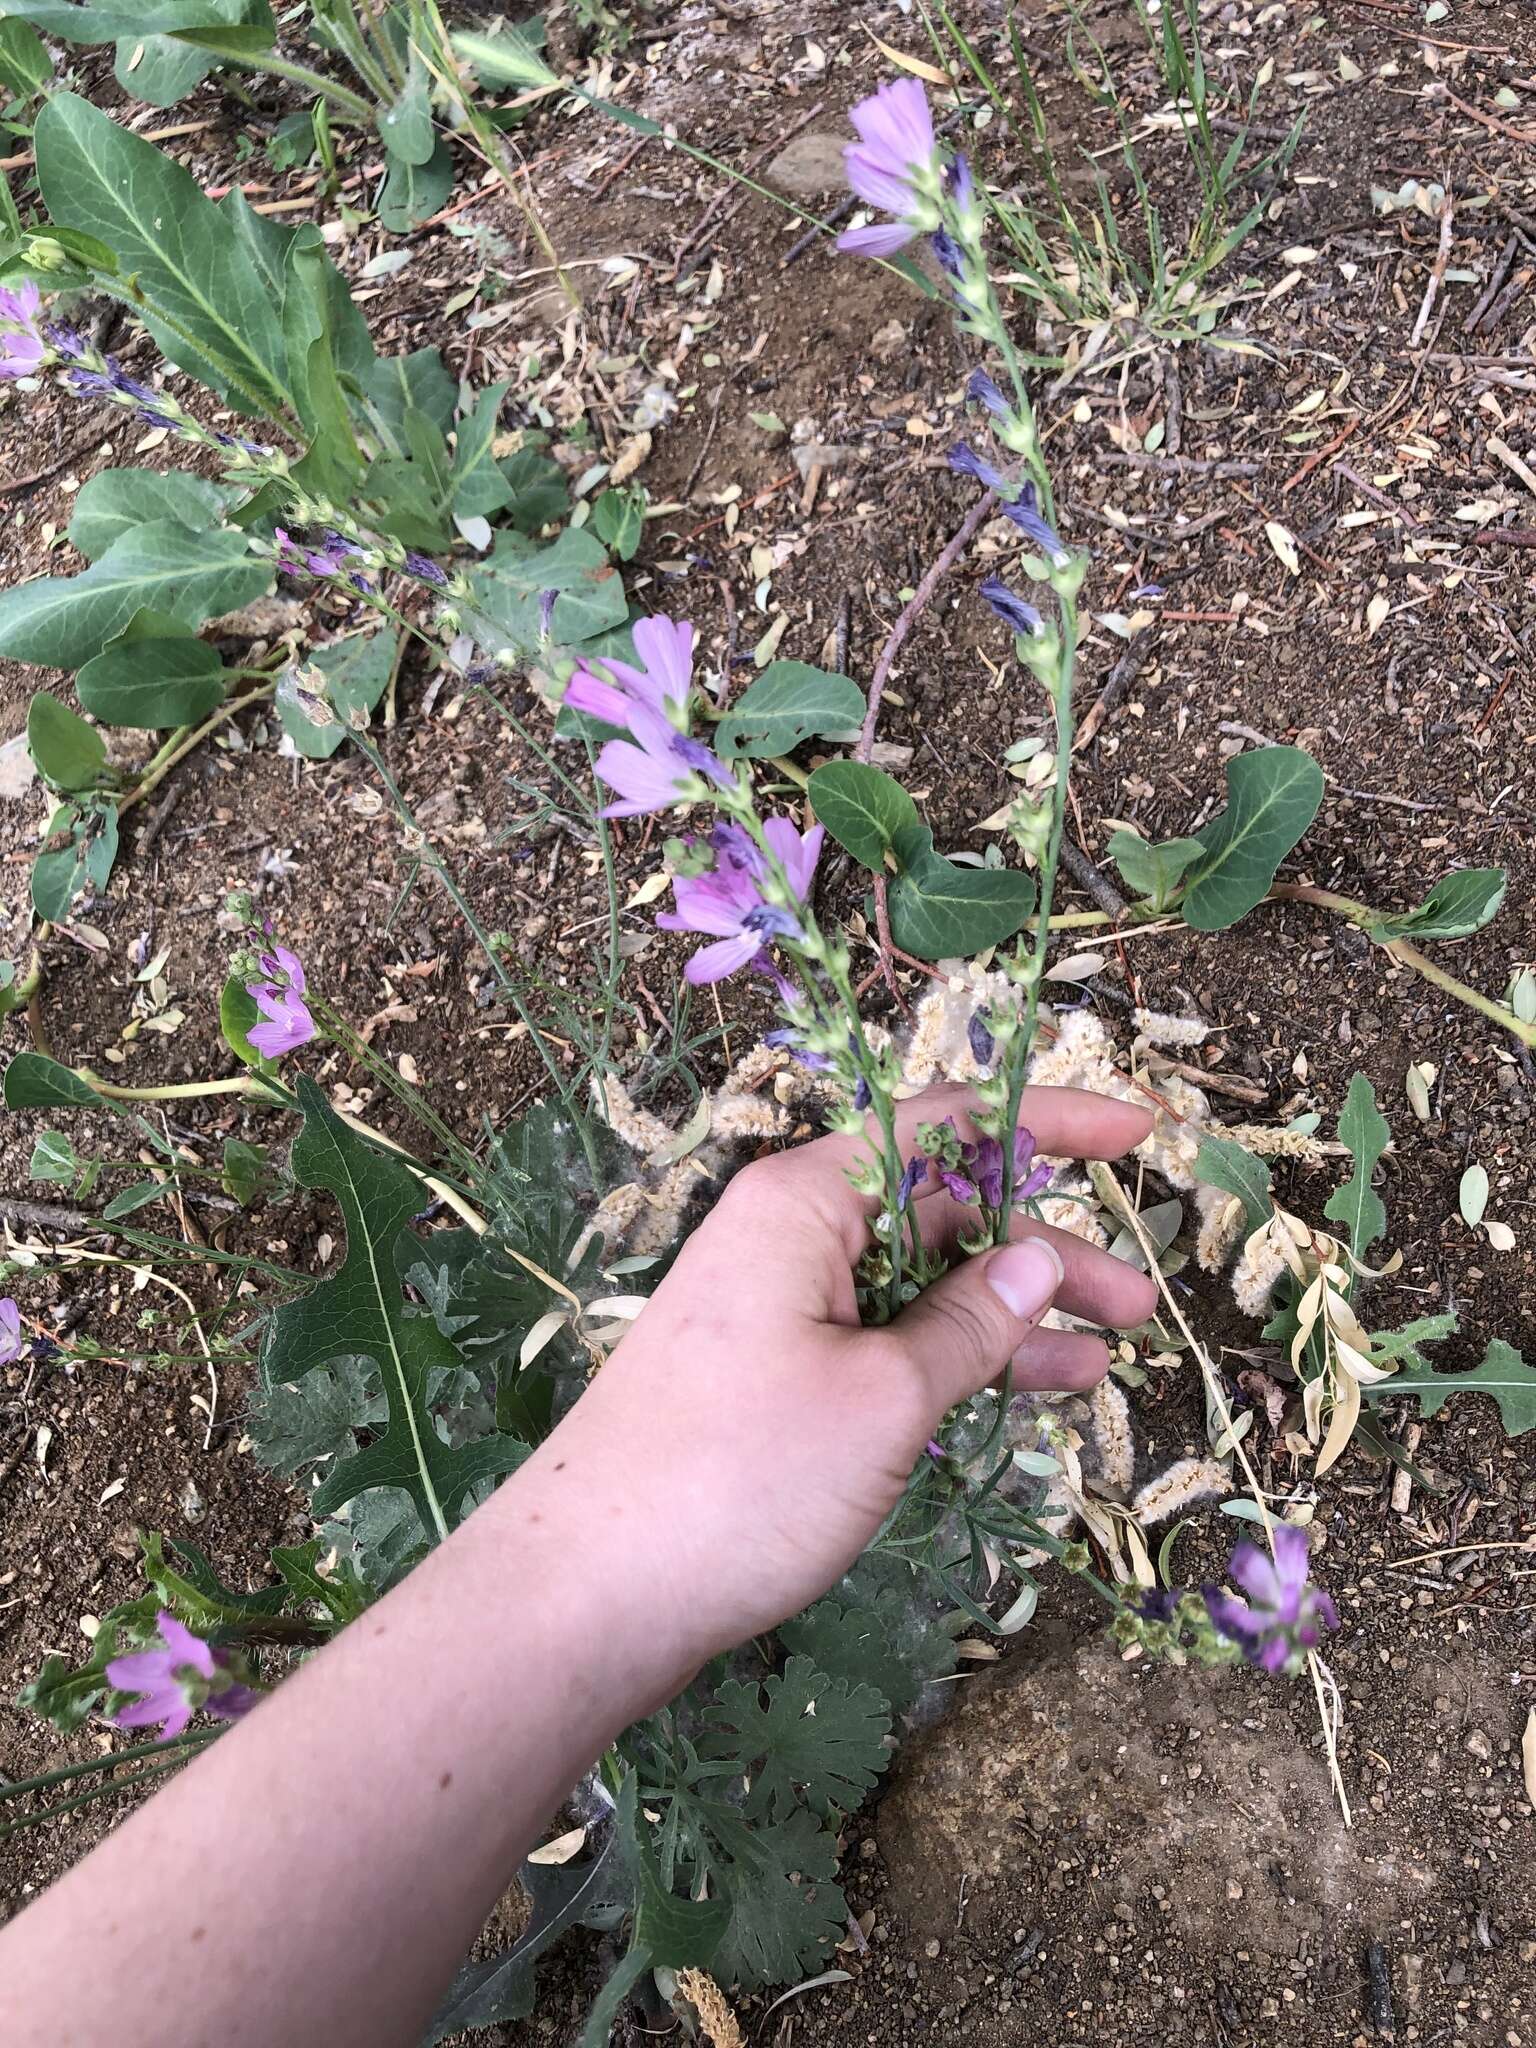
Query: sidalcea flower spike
[
  {"x": 278, "y": 992},
  {"x": 1288, "y": 1614},
  {"x": 893, "y": 166},
  {"x": 730, "y": 904},
  {"x": 663, "y": 683},
  {"x": 12, "y": 1343},
  {"x": 176, "y": 1682}
]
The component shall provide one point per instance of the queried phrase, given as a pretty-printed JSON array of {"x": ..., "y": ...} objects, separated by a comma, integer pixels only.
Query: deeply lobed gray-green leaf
[
  {"x": 1356, "y": 1205},
  {"x": 1502, "y": 1373}
]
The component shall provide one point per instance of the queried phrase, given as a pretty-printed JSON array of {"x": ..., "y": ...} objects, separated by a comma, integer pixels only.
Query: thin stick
[
  {"x": 1437, "y": 274},
  {"x": 979, "y": 513}
]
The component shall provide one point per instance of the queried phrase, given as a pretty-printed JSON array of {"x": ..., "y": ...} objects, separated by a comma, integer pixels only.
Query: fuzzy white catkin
[
  {"x": 1156, "y": 1027},
  {"x": 1259, "y": 1266},
  {"x": 1185, "y": 1482}
]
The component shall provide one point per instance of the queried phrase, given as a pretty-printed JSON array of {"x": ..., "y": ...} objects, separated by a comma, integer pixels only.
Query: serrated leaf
[
  {"x": 1460, "y": 903},
  {"x": 786, "y": 1914},
  {"x": 939, "y": 910},
  {"x": 677, "y": 1933},
  {"x": 1223, "y": 1163},
  {"x": 63, "y": 1696},
  {"x": 592, "y": 1894},
  {"x": 62, "y": 621},
  {"x": 1503, "y": 1374},
  {"x": 799, "y": 1738},
  {"x": 1472, "y": 1195},
  {"x": 1273, "y": 795},
  {"x": 788, "y": 703},
  {"x": 294, "y": 1428},
  {"x": 188, "y": 279},
  {"x": 1387, "y": 1345},
  {"x": 1150, "y": 871},
  {"x": 864, "y": 809},
  {"x": 1363, "y": 1129},
  {"x": 152, "y": 675},
  {"x": 361, "y": 1311},
  {"x": 115, "y": 502}
]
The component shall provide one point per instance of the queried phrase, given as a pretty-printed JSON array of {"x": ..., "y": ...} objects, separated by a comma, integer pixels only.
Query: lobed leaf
[
  {"x": 1363, "y": 1129},
  {"x": 1502, "y": 1373},
  {"x": 1459, "y": 904},
  {"x": 800, "y": 1738}
]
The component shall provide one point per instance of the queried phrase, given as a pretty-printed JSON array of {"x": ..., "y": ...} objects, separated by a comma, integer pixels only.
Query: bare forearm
[{"x": 276, "y": 1892}]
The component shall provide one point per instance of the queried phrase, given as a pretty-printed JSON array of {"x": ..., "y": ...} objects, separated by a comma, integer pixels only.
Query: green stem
[
  {"x": 109, "y": 1762},
  {"x": 1061, "y": 705},
  {"x": 32, "y": 1820},
  {"x": 338, "y": 1029},
  {"x": 183, "y": 742},
  {"x": 178, "y": 1091},
  {"x": 284, "y": 67},
  {"x": 460, "y": 902}
]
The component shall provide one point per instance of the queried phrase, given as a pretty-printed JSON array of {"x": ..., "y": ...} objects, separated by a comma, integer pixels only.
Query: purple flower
[
  {"x": 862, "y": 1095},
  {"x": 982, "y": 1178},
  {"x": 892, "y": 167},
  {"x": 665, "y": 768},
  {"x": 982, "y": 1043},
  {"x": 425, "y": 570},
  {"x": 12, "y": 1343},
  {"x": 729, "y": 903},
  {"x": 663, "y": 684},
  {"x": 23, "y": 349},
  {"x": 967, "y": 462},
  {"x": 1027, "y": 517},
  {"x": 279, "y": 995},
  {"x": 1010, "y": 607},
  {"x": 985, "y": 392},
  {"x": 916, "y": 1172},
  {"x": 947, "y": 251},
  {"x": 176, "y": 1681},
  {"x": 1288, "y": 1614}
]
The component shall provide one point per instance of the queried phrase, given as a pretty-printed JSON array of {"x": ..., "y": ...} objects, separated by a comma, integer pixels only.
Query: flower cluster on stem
[{"x": 185, "y": 1677}]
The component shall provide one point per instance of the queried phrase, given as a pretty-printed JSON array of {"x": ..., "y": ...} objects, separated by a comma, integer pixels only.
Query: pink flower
[
  {"x": 892, "y": 166},
  {"x": 12, "y": 1343},
  {"x": 279, "y": 996},
  {"x": 729, "y": 904},
  {"x": 663, "y": 683},
  {"x": 22, "y": 348},
  {"x": 1288, "y": 1614},
  {"x": 176, "y": 1681}
]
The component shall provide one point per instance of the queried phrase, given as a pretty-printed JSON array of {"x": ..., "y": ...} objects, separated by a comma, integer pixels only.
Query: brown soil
[{"x": 1088, "y": 1866}]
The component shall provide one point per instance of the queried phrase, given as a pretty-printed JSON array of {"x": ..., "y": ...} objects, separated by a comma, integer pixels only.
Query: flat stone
[
  {"x": 808, "y": 166},
  {"x": 17, "y": 773}
]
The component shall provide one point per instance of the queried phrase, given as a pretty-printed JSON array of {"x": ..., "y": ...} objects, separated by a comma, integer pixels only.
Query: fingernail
[{"x": 1024, "y": 1276}]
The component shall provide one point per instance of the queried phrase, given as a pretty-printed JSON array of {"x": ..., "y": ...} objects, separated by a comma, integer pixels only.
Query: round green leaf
[
  {"x": 115, "y": 502},
  {"x": 33, "y": 1081},
  {"x": 1272, "y": 797},
  {"x": 864, "y": 809},
  {"x": 940, "y": 911},
  {"x": 789, "y": 701},
  {"x": 152, "y": 682},
  {"x": 69, "y": 754}
]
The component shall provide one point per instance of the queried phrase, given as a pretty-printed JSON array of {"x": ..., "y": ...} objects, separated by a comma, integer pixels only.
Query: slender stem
[
  {"x": 252, "y": 1085},
  {"x": 1019, "y": 1052},
  {"x": 461, "y": 903},
  {"x": 108, "y": 1762},
  {"x": 301, "y": 74},
  {"x": 338, "y": 1029},
  {"x": 182, "y": 743},
  {"x": 31, "y": 1820}
]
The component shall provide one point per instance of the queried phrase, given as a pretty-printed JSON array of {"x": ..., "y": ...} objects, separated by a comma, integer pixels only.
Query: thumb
[{"x": 962, "y": 1332}]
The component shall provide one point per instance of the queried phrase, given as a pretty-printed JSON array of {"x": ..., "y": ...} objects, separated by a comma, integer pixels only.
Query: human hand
[{"x": 748, "y": 1437}]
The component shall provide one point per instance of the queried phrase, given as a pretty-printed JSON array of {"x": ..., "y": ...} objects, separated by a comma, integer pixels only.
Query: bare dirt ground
[{"x": 1083, "y": 1851}]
